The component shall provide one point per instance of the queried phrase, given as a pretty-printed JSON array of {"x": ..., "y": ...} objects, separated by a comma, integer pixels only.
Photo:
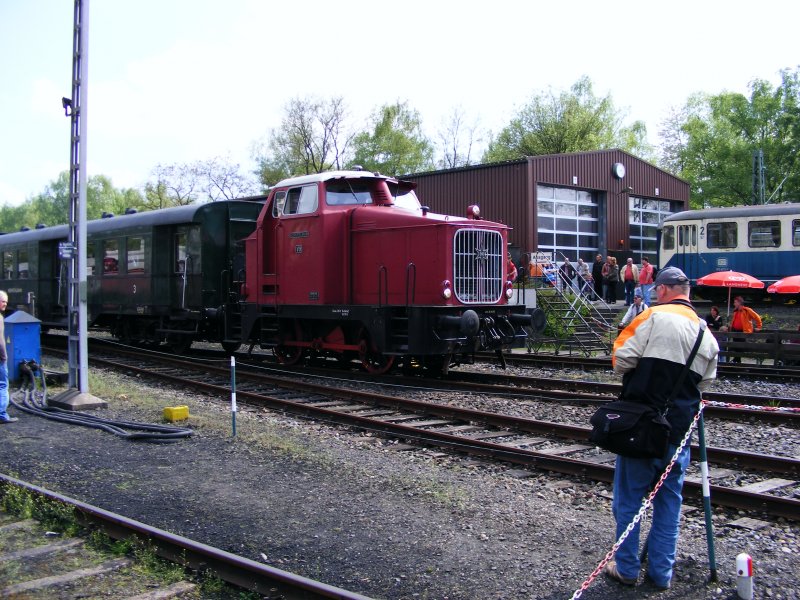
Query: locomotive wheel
[
  {"x": 289, "y": 355},
  {"x": 374, "y": 362}
]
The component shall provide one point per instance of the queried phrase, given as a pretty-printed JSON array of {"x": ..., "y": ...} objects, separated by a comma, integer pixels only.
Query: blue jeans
[
  {"x": 633, "y": 479},
  {"x": 630, "y": 287},
  {"x": 3, "y": 391},
  {"x": 646, "y": 289}
]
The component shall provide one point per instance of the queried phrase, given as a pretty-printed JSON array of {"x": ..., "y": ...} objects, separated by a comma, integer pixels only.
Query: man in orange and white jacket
[{"x": 650, "y": 353}]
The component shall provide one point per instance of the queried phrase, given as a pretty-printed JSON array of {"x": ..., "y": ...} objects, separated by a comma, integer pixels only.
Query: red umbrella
[
  {"x": 787, "y": 285},
  {"x": 730, "y": 280}
]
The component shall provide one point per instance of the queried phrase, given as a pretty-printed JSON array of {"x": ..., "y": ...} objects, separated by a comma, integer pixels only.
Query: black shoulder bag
[{"x": 637, "y": 429}]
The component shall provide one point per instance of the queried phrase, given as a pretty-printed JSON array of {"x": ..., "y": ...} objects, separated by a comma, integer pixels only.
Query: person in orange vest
[{"x": 744, "y": 320}]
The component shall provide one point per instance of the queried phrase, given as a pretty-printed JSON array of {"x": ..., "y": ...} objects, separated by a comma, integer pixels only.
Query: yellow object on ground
[{"x": 176, "y": 413}]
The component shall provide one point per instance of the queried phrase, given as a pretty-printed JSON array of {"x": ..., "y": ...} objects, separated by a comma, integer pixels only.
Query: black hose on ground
[{"x": 34, "y": 401}]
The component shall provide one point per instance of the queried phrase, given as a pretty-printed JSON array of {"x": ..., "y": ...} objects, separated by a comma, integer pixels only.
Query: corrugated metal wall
[
  {"x": 500, "y": 190},
  {"x": 506, "y": 192}
]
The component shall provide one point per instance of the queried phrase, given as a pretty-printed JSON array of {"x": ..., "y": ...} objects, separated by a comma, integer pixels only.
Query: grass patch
[{"x": 53, "y": 515}]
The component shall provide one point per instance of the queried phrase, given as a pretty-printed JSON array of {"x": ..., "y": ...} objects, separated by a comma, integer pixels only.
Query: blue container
[{"x": 23, "y": 341}]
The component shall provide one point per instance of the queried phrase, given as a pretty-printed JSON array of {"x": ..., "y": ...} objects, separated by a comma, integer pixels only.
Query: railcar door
[
  {"x": 186, "y": 268},
  {"x": 687, "y": 254}
]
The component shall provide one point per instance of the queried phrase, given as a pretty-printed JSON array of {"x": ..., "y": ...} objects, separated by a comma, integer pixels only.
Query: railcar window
[
  {"x": 694, "y": 235},
  {"x": 341, "y": 193},
  {"x": 89, "y": 260},
  {"x": 22, "y": 264},
  {"x": 135, "y": 251},
  {"x": 722, "y": 235},
  {"x": 668, "y": 236},
  {"x": 764, "y": 234},
  {"x": 180, "y": 252},
  {"x": 111, "y": 257},
  {"x": 8, "y": 264},
  {"x": 796, "y": 232}
]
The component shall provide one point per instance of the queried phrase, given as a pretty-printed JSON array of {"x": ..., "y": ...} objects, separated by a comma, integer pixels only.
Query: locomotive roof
[
  {"x": 163, "y": 216},
  {"x": 328, "y": 175},
  {"x": 765, "y": 210}
]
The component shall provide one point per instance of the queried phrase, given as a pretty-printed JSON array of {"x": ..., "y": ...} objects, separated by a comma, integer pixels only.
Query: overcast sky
[{"x": 173, "y": 81}]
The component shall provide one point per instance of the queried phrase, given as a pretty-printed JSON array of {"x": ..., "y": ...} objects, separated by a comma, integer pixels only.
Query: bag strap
[{"x": 685, "y": 370}]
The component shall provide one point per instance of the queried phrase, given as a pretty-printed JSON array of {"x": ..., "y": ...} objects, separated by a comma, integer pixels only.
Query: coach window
[
  {"x": 135, "y": 255},
  {"x": 89, "y": 260},
  {"x": 669, "y": 237},
  {"x": 111, "y": 257},
  {"x": 180, "y": 252},
  {"x": 722, "y": 235},
  {"x": 764, "y": 234},
  {"x": 8, "y": 264},
  {"x": 22, "y": 264},
  {"x": 796, "y": 232}
]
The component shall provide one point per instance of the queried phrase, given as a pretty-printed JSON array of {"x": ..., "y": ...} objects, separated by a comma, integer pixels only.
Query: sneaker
[
  {"x": 9, "y": 420},
  {"x": 611, "y": 572},
  {"x": 660, "y": 587}
]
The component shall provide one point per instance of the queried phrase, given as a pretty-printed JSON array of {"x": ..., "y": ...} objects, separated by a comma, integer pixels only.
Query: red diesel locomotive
[{"x": 348, "y": 264}]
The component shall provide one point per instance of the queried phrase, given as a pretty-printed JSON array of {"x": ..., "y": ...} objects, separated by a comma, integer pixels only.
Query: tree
[
  {"x": 573, "y": 121},
  {"x": 710, "y": 142},
  {"x": 396, "y": 145},
  {"x": 51, "y": 207},
  {"x": 312, "y": 138},
  {"x": 456, "y": 140},
  {"x": 174, "y": 185}
]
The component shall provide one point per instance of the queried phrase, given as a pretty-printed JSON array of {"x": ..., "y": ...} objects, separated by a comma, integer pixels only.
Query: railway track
[
  {"x": 724, "y": 370},
  {"x": 555, "y": 447},
  {"x": 32, "y": 569}
]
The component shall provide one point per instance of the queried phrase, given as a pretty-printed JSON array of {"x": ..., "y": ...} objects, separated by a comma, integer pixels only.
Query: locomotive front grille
[{"x": 478, "y": 266}]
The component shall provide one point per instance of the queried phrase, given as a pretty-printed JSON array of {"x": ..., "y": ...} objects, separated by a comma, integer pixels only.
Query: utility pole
[
  {"x": 758, "y": 176},
  {"x": 74, "y": 250}
]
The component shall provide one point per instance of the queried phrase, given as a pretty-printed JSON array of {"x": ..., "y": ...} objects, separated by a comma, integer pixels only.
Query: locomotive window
[
  {"x": 796, "y": 232},
  {"x": 278, "y": 203},
  {"x": 135, "y": 253},
  {"x": 110, "y": 257},
  {"x": 340, "y": 193},
  {"x": 308, "y": 200},
  {"x": 722, "y": 235},
  {"x": 8, "y": 264},
  {"x": 669, "y": 237},
  {"x": 764, "y": 234},
  {"x": 22, "y": 264}
]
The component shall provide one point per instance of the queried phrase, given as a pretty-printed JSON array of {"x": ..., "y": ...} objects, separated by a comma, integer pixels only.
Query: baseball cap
[
  {"x": 671, "y": 276},
  {"x": 637, "y": 294}
]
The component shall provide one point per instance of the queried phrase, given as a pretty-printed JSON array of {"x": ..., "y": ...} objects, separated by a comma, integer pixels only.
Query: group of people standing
[{"x": 607, "y": 274}]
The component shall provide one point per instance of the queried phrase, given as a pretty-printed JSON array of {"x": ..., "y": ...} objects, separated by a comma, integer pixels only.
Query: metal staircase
[{"x": 575, "y": 322}]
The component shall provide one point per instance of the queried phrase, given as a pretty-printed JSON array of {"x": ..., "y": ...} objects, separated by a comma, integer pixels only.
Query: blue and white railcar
[{"x": 762, "y": 241}]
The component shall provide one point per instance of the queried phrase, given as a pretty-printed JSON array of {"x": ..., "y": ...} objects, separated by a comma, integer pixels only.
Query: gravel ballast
[{"x": 353, "y": 510}]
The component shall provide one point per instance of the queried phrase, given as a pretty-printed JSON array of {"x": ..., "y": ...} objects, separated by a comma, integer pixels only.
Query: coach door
[
  {"x": 687, "y": 255},
  {"x": 186, "y": 268}
]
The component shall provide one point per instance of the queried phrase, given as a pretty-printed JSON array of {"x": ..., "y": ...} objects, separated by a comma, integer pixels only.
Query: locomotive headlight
[
  {"x": 447, "y": 292},
  {"x": 473, "y": 211},
  {"x": 509, "y": 290}
]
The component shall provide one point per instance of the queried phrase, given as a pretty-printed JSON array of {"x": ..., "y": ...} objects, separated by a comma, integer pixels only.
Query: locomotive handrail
[
  {"x": 383, "y": 278},
  {"x": 411, "y": 267}
]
